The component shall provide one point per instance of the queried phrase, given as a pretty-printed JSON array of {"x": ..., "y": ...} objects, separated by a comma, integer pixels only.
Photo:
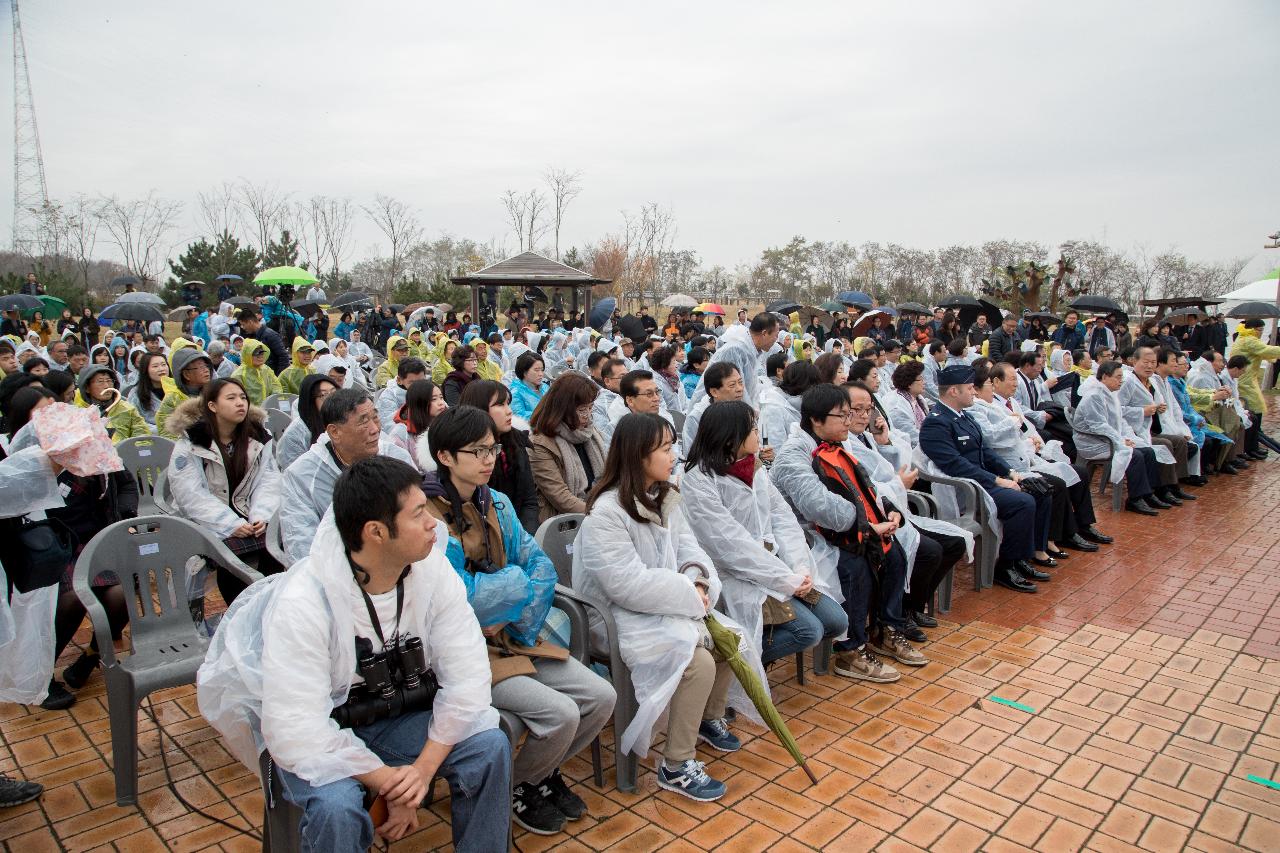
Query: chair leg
[
  {"x": 944, "y": 592},
  {"x": 800, "y": 668},
  {"x": 1117, "y": 499},
  {"x": 822, "y": 658},
  {"x": 597, "y": 763},
  {"x": 122, "y": 707}
]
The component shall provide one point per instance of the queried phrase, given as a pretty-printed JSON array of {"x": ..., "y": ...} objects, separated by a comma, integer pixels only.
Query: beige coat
[{"x": 547, "y": 465}]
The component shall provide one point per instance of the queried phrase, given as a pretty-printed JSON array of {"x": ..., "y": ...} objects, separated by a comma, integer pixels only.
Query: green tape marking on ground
[
  {"x": 1013, "y": 704},
  {"x": 1261, "y": 781}
]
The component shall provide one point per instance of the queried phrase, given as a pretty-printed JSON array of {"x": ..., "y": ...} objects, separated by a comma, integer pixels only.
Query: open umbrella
[
  {"x": 1184, "y": 316},
  {"x": 864, "y": 322},
  {"x": 855, "y": 298},
  {"x": 832, "y": 307},
  {"x": 52, "y": 307},
  {"x": 307, "y": 307},
  {"x": 958, "y": 300},
  {"x": 785, "y": 306},
  {"x": 1097, "y": 304},
  {"x": 913, "y": 308},
  {"x": 679, "y": 300},
  {"x": 285, "y": 275},
  {"x": 226, "y": 276},
  {"x": 633, "y": 327},
  {"x": 601, "y": 311},
  {"x": 445, "y": 307},
  {"x": 140, "y": 297},
  {"x": 726, "y": 644},
  {"x": 180, "y": 313},
  {"x": 139, "y": 311},
  {"x": 1047, "y": 316},
  {"x": 710, "y": 308},
  {"x": 120, "y": 282},
  {"x": 20, "y": 302},
  {"x": 1254, "y": 311},
  {"x": 351, "y": 299},
  {"x": 968, "y": 314},
  {"x": 240, "y": 300}
]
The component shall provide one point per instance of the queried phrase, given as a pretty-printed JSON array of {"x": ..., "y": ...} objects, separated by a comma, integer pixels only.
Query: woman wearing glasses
[{"x": 510, "y": 584}]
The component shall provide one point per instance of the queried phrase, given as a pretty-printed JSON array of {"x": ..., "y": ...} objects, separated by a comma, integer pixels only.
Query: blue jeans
[
  {"x": 813, "y": 622},
  {"x": 477, "y": 769}
]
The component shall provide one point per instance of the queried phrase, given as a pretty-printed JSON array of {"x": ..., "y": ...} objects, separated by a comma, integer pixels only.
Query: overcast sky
[{"x": 922, "y": 123}]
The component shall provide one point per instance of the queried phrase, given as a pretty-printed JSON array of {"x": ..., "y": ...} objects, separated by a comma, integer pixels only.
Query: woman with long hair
[
  {"x": 148, "y": 392},
  {"x": 567, "y": 451},
  {"x": 746, "y": 526},
  {"x": 306, "y": 427},
  {"x": 41, "y": 327},
  {"x": 223, "y": 473},
  {"x": 831, "y": 368},
  {"x": 636, "y": 553},
  {"x": 511, "y": 474},
  {"x": 949, "y": 328},
  {"x": 780, "y": 405},
  {"x": 89, "y": 505},
  {"x": 66, "y": 321},
  {"x": 423, "y": 403}
]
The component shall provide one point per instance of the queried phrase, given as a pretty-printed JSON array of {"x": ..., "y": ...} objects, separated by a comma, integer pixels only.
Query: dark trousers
[
  {"x": 937, "y": 554},
  {"x": 1143, "y": 473},
  {"x": 1025, "y": 519},
  {"x": 1253, "y": 433},
  {"x": 860, "y": 586}
]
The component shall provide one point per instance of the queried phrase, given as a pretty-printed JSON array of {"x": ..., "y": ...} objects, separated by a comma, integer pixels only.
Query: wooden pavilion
[{"x": 527, "y": 271}]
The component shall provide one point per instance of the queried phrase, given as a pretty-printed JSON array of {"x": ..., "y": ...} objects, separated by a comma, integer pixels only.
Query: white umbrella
[{"x": 679, "y": 300}]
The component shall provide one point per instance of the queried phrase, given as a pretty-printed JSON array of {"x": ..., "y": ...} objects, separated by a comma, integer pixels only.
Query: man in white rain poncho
[
  {"x": 850, "y": 532},
  {"x": 1102, "y": 432},
  {"x": 1222, "y": 410},
  {"x": 1143, "y": 403},
  {"x": 351, "y": 433},
  {"x": 296, "y": 647},
  {"x": 742, "y": 346},
  {"x": 391, "y": 398}
]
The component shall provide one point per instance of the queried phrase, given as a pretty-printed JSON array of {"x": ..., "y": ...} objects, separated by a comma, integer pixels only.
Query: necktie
[
  {"x": 1008, "y": 404},
  {"x": 864, "y": 438}
]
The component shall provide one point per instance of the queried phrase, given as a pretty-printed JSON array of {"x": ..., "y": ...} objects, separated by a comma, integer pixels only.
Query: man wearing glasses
[
  {"x": 352, "y": 432},
  {"x": 637, "y": 394}
]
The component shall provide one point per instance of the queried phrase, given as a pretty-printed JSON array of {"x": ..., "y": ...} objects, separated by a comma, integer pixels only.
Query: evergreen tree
[
  {"x": 282, "y": 252},
  {"x": 205, "y": 261}
]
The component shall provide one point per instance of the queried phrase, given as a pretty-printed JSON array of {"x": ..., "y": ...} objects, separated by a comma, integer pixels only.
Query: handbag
[{"x": 47, "y": 548}]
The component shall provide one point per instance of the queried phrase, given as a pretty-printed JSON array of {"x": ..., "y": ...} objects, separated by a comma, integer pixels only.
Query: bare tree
[
  {"x": 219, "y": 211},
  {"x": 82, "y": 234},
  {"x": 336, "y": 216},
  {"x": 266, "y": 210},
  {"x": 516, "y": 206},
  {"x": 535, "y": 207},
  {"x": 564, "y": 186},
  {"x": 310, "y": 233},
  {"x": 138, "y": 228},
  {"x": 398, "y": 222}
]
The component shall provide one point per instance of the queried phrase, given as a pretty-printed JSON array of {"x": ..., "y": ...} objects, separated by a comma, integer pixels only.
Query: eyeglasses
[
  {"x": 483, "y": 454},
  {"x": 862, "y": 410},
  {"x": 651, "y": 393},
  {"x": 844, "y": 415}
]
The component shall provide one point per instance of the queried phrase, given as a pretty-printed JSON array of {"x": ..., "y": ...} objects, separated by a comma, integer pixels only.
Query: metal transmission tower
[{"x": 30, "y": 195}]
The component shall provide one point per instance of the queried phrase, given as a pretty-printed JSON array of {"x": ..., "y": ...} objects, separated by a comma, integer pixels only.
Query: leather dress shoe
[
  {"x": 1177, "y": 492},
  {"x": 1140, "y": 506},
  {"x": 1155, "y": 502},
  {"x": 1080, "y": 544},
  {"x": 1194, "y": 480},
  {"x": 924, "y": 620},
  {"x": 1057, "y": 555},
  {"x": 1258, "y": 454},
  {"x": 1170, "y": 498},
  {"x": 913, "y": 633},
  {"x": 1093, "y": 534},
  {"x": 1049, "y": 563},
  {"x": 1241, "y": 463},
  {"x": 1030, "y": 572},
  {"x": 1229, "y": 469},
  {"x": 1010, "y": 579}
]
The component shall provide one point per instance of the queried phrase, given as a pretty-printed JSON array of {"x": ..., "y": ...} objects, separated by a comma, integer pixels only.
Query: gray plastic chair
[
  {"x": 277, "y": 422},
  {"x": 1104, "y": 480},
  {"x": 165, "y": 648},
  {"x": 286, "y": 403},
  {"x": 975, "y": 521},
  {"x": 922, "y": 503},
  {"x": 146, "y": 457},
  {"x": 275, "y": 541},
  {"x": 677, "y": 418},
  {"x": 555, "y": 536},
  {"x": 163, "y": 497}
]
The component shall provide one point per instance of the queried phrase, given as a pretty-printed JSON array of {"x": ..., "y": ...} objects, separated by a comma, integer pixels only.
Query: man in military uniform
[{"x": 952, "y": 439}]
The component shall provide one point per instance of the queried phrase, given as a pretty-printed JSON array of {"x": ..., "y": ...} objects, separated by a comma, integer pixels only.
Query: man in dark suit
[
  {"x": 952, "y": 439},
  {"x": 1004, "y": 340}
]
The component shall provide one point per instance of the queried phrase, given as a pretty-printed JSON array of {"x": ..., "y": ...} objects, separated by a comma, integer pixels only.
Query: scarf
[
  {"x": 567, "y": 441},
  {"x": 744, "y": 469},
  {"x": 917, "y": 410}
]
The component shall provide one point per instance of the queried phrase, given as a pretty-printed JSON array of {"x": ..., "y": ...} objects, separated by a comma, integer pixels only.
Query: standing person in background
[{"x": 89, "y": 328}]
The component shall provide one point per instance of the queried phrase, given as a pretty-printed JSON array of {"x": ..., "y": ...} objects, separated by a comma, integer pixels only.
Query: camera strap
[{"x": 373, "y": 611}]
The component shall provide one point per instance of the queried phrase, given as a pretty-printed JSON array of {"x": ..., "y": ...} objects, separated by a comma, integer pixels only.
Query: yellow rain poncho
[
  {"x": 486, "y": 369},
  {"x": 123, "y": 419},
  {"x": 291, "y": 377},
  {"x": 418, "y": 348},
  {"x": 441, "y": 367},
  {"x": 387, "y": 370},
  {"x": 259, "y": 382},
  {"x": 1249, "y": 344}
]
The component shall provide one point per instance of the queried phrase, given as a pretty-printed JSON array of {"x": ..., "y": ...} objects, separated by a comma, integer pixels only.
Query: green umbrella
[
  {"x": 726, "y": 647},
  {"x": 285, "y": 275},
  {"x": 52, "y": 308},
  {"x": 832, "y": 307}
]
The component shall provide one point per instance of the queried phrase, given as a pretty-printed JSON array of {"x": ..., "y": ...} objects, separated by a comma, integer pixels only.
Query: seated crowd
[{"x": 757, "y": 474}]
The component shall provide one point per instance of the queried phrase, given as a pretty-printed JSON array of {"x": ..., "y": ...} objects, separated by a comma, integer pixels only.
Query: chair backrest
[
  {"x": 555, "y": 536},
  {"x": 275, "y": 541},
  {"x": 147, "y": 457},
  {"x": 277, "y": 422},
  {"x": 163, "y": 496},
  {"x": 677, "y": 418},
  {"x": 149, "y": 555},
  {"x": 281, "y": 402}
]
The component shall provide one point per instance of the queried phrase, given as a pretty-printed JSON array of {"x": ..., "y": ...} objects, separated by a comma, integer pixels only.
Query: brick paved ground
[{"x": 1153, "y": 669}]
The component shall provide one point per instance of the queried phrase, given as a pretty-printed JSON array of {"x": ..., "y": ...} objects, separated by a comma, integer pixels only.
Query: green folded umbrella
[
  {"x": 285, "y": 275},
  {"x": 726, "y": 644}
]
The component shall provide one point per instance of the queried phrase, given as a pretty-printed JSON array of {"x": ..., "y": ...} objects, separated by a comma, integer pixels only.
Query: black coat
[{"x": 514, "y": 478}]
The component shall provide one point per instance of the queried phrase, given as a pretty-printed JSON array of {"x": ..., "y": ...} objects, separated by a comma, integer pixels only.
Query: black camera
[
  {"x": 395, "y": 682},
  {"x": 482, "y": 566}
]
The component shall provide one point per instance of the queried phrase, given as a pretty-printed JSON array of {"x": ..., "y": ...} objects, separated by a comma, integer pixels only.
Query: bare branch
[
  {"x": 219, "y": 211},
  {"x": 565, "y": 187},
  {"x": 516, "y": 206},
  {"x": 137, "y": 227},
  {"x": 266, "y": 210},
  {"x": 400, "y": 225}
]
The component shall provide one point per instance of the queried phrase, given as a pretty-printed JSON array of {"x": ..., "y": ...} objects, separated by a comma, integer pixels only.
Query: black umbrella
[
  {"x": 632, "y": 327},
  {"x": 1183, "y": 316},
  {"x": 120, "y": 282},
  {"x": 351, "y": 299},
  {"x": 241, "y": 300},
  {"x": 1047, "y": 316},
  {"x": 131, "y": 311},
  {"x": 20, "y": 302},
  {"x": 1097, "y": 304},
  {"x": 226, "y": 276},
  {"x": 601, "y": 311},
  {"x": 913, "y": 308},
  {"x": 783, "y": 306},
  {"x": 1254, "y": 311},
  {"x": 306, "y": 307},
  {"x": 141, "y": 296},
  {"x": 396, "y": 307},
  {"x": 969, "y": 314},
  {"x": 959, "y": 300}
]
